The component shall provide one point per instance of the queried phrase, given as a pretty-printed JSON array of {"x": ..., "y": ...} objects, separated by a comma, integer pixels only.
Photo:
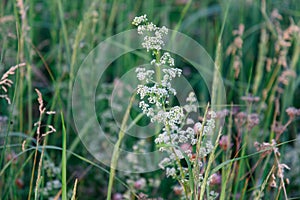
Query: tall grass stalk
[
  {"x": 34, "y": 160},
  {"x": 21, "y": 58},
  {"x": 183, "y": 14},
  {"x": 216, "y": 85},
  {"x": 262, "y": 54},
  {"x": 74, "y": 190},
  {"x": 115, "y": 155},
  {"x": 64, "y": 159},
  {"x": 67, "y": 53},
  {"x": 39, "y": 177},
  {"x": 209, "y": 165},
  {"x": 227, "y": 171},
  {"x": 39, "y": 136},
  {"x": 112, "y": 17}
]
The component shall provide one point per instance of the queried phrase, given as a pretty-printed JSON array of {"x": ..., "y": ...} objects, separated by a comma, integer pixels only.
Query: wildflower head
[
  {"x": 292, "y": 112},
  {"x": 215, "y": 179},
  {"x": 178, "y": 190},
  {"x": 250, "y": 99},
  {"x": 139, "y": 20},
  {"x": 140, "y": 184},
  {"x": 252, "y": 120},
  {"x": 12, "y": 157},
  {"x": 19, "y": 183},
  {"x": 224, "y": 142},
  {"x": 240, "y": 119},
  {"x": 117, "y": 196},
  {"x": 153, "y": 35}
]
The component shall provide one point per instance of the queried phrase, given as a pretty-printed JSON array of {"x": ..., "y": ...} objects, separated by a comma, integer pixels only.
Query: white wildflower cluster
[
  {"x": 51, "y": 187},
  {"x": 213, "y": 195},
  {"x": 166, "y": 59},
  {"x": 139, "y": 20},
  {"x": 191, "y": 106},
  {"x": 208, "y": 128},
  {"x": 153, "y": 39},
  {"x": 144, "y": 75},
  {"x": 53, "y": 184},
  {"x": 169, "y": 75},
  {"x": 179, "y": 129},
  {"x": 171, "y": 172},
  {"x": 51, "y": 169},
  {"x": 176, "y": 134},
  {"x": 205, "y": 150},
  {"x": 186, "y": 138},
  {"x": 155, "y": 95}
]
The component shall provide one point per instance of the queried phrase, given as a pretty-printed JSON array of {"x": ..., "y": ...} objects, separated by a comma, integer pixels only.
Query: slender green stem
[
  {"x": 263, "y": 49},
  {"x": 64, "y": 159},
  {"x": 64, "y": 29},
  {"x": 183, "y": 14},
  {"x": 216, "y": 86},
  {"x": 74, "y": 190},
  {"x": 198, "y": 145},
  {"x": 136, "y": 119},
  {"x": 39, "y": 178},
  {"x": 112, "y": 17},
  {"x": 115, "y": 155},
  {"x": 157, "y": 68},
  {"x": 209, "y": 164},
  {"x": 268, "y": 21},
  {"x": 71, "y": 73},
  {"x": 34, "y": 163},
  {"x": 68, "y": 54}
]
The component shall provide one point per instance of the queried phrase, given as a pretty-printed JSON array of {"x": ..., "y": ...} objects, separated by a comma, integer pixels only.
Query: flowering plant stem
[
  {"x": 64, "y": 160},
  {"x": 207, "y": 170},
  {"x": 158, "y": 79},
  {"x": 198, "y": 145},
  {"x": 179, "y": 164},
  {"x": 157, "y": 69},
  {"x": 115, "y": 155}
]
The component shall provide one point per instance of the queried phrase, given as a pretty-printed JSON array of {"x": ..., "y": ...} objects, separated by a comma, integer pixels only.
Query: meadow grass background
[{"x": 53, "y": 37}]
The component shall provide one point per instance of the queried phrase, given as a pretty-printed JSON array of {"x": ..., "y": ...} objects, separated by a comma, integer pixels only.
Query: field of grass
[{"x": 51, "y": 149}]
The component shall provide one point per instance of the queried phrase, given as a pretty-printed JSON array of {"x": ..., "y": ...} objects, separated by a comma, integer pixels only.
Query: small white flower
[
  {"x": 189, "y": 121},
  {"x": 190, "y": 131},
  {"x": 190, "y": 108},
  {"x": 153, "y": 43},
  {"x": 167, "y": 59},
  {"x": 139, "y": 20},
  {"x": 183, "y": 139},
  {"x": 209, "y": 146},
  {"x": 165, "y": 162},
  {"x": 153, "y": 62},
  {"x": 142, "y": 91},
  {"x": 170, "y": 171},
  {"x": 191, "y": 98},
  {"x": 194, "y": 141}
]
